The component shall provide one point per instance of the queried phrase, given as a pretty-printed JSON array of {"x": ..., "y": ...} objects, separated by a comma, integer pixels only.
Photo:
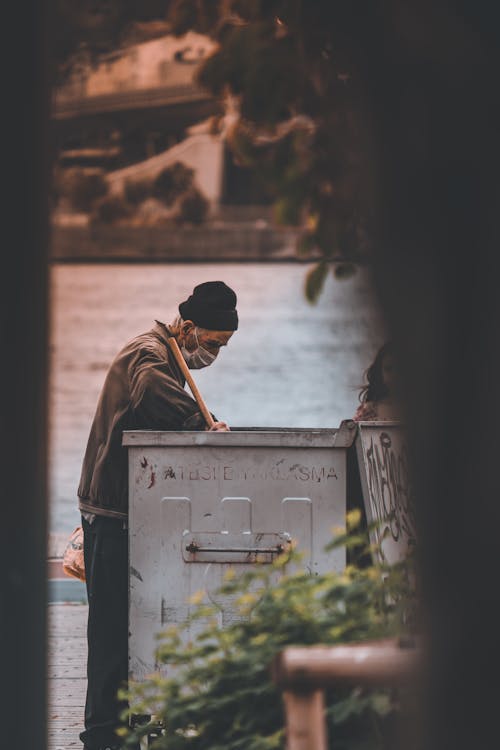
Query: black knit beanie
[{"x": 212, "y": 305}]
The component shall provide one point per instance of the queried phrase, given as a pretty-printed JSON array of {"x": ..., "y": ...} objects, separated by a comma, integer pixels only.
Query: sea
[{"x": 291, "y": 363}]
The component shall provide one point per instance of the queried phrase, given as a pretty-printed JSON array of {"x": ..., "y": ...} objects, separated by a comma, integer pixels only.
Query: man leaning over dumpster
[{"x": 143, "y": 389}]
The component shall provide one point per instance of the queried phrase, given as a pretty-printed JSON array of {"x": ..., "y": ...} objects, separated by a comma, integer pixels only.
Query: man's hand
[{"x": 219, "y": 427}]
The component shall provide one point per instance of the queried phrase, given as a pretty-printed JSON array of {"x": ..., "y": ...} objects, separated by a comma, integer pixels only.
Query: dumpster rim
[{"x": 341, "y": 437}]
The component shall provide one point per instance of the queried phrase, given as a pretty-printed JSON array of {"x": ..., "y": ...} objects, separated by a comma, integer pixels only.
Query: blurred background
[
  {"x": 358, "y": 122},
  {"x": 173, "y": 164}
]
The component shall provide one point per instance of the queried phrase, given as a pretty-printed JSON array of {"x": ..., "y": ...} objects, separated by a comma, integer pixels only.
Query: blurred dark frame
[
  {"x": 432, "y": 79},
  {"x": 431, "y": 82},
  {"x": 24, "y": 322}
]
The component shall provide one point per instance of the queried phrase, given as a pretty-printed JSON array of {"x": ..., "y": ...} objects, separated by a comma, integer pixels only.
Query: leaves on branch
[
  {"x": 315, "y": 280},
  {"x": 215, "y": 690},
  {"x": 298, "y": 119}
]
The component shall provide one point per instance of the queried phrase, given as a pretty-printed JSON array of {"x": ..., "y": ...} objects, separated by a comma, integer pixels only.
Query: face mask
[{"x": 199, "y": 358}]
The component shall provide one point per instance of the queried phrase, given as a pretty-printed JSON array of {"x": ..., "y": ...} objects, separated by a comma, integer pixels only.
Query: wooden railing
[{"x": 303, "y": 673}]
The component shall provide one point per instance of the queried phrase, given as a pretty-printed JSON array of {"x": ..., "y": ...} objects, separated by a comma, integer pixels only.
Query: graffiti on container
[
  {"x": 228, "y": 473},
  {"x": 390, "y": 494}
]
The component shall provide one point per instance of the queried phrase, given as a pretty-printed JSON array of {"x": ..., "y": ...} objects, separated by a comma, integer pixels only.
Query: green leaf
[
  {"x": 381, "y": 703},
  {"x": 222, "y": 696},
  {"x": 315, "y": 279}
]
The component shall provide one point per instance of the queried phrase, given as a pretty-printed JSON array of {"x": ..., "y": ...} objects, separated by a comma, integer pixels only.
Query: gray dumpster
[{"x": 201, "y": 502}]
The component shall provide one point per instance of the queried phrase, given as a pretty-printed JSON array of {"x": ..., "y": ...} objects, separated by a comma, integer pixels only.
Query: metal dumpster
[
  {"x": 383, "y": 463},
  {"x": 201, "y": 502}
]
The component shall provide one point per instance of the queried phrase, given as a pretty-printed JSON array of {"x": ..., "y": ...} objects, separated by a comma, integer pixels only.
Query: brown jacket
[{"x": 143, "y": 389}]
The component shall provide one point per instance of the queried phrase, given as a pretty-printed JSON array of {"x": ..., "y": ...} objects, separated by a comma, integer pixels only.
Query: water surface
[{"x": 290, "y": 364}]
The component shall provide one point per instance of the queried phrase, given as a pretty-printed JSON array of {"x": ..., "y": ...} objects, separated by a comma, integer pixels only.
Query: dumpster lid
[{"x": 246, "y": 437}]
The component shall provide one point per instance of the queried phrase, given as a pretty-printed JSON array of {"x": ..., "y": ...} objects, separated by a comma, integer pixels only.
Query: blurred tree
[
  {"x": 193, "y": 207},
  {"x": 172, "y": 182},
  {"x": 289, "y": 73},
  {"x": 81, "y": 187}
]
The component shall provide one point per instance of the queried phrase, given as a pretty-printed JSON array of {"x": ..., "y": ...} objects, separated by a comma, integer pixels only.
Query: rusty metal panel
[
  {"x": 200, "y": 503},
  {"x": 383, "y": 465}
]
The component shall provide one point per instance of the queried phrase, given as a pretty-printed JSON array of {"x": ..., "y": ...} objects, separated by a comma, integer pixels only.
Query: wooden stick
[
  {"x": 174, "y": 346},
  {"x": 305, "y": 720},
  {"x": 373, "y": 663},
  {"x": 303, "y": 672}
]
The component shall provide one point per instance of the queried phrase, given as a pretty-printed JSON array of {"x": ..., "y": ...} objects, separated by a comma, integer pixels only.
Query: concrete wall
[
  {"x": 204, "y": 243},
  {"x": 202, "y": 152},
  {"x": 141, "y": 66}
]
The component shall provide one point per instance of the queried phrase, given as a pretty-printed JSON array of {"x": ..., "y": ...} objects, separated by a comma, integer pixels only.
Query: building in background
[{"x": 140, "y": 110}]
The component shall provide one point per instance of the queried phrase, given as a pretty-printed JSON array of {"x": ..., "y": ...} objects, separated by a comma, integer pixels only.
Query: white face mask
[{"x": 199, "y": 358}]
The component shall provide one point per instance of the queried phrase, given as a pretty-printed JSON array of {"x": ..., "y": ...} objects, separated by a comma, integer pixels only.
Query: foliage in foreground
[
  {"x": 220, "y": 696},
  {"x": 296, "y": 78}
]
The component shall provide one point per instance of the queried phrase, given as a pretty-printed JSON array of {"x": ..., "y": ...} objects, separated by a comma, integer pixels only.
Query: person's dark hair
[{"x": 375, "y": 390}]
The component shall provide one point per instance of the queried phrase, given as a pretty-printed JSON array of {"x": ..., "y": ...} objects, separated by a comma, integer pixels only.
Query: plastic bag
[{"x": 73, "y": 562}]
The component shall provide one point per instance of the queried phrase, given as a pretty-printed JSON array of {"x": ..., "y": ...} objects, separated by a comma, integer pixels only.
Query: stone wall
[{"x": 173, "y": 244}]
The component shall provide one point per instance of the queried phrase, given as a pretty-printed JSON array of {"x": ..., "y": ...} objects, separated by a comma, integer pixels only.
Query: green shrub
[
  {"x": 82, "y": 188},
  {"x": 220, "y": 695},
  {"x": 193, "y": 208},
  {"x": 110, "y": 209},
  {"x": 172, "y": 182}
]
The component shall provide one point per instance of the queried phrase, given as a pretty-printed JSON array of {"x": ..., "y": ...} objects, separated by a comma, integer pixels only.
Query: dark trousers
[{"x": 106, "y": 570}]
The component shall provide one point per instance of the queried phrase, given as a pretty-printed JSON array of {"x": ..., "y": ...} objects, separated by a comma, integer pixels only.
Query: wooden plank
[
  {"x": 61, "y": 613},
  {"x": 79, "y": 662},
  {"x": 58, "y": 639},
  {"x": 67, "y": 671},
  {"x": 305, "y": 720},
  {"x": 372, "y": 663},
  {"x": 66, "y": 674},
  {"x": 60, "y": 721},
  {"x": 68, "y": 651},
  {"x": 66, "y": 691},
  {"x": 66, "y": 645},
  {"x": 67, "y": 629}
]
